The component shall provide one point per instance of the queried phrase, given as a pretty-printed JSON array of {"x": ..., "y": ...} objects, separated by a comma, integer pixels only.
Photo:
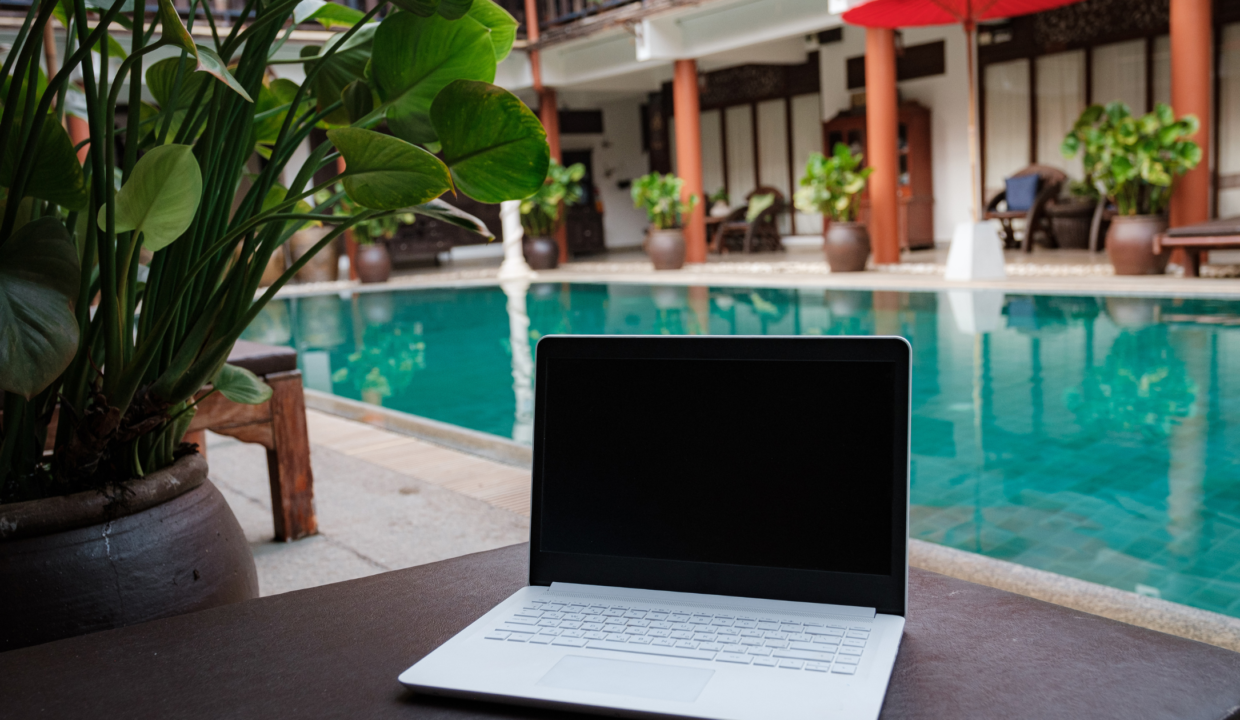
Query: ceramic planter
[
  {"x": 80, "y": 563},
  {"x": 325, "y": 265},
  {"x": 541, "y": 253},
  {"x": 846, "y": 245},
  {"x": 666, "y": 248},
  {"x": 1130, "y": 245},
  {"x": 374, "y": 264}
]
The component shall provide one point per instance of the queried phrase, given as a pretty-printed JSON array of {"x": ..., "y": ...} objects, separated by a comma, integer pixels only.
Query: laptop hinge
[{"x": 728, "y": 602}]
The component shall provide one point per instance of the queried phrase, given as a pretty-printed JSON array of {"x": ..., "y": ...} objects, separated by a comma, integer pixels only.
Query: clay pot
[
  {"x": 846, "y": 245},
  {"x": 666, "y": 248},
  {"x": 541, "y": 253},
  {"x": 374, "y": 264},
  {"x": 325, "y": 265},
  {"x": 76, "y": 564},
  {"x": 1130, "y": 245}
]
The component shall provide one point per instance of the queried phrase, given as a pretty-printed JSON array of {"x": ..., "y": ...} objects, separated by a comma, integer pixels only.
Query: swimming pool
[{"x": 1097, "y": 437}]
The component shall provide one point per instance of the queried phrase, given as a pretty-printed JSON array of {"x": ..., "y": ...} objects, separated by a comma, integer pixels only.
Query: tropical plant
[
  {"x": 168, "y": 183},
  {"x": 720, "y": 195},
  {"x": 1134, "y": 161},
  {"x": 659, "y": 195},
  {"x": 366, "y": 232},
  {"x": 831, "y": 184},
  {"x": 543, "y": 212}
]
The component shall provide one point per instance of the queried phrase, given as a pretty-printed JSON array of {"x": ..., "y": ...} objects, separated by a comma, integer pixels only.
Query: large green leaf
[
  {"x": 241, "y": 385},
  {"x": 161, "y": 81},
  {"x": 416, "y": 57},
  {"x": 342, "y": 68},
  {"x": 502, "y": 25},
  {"x": 386, "y": 173},
  {"x": 454, "y": 9},
  {"x": 421, "y": 8},
  {"x": 204, "y": 58},
  {"x": 495, "y": 146},
  {"x": 39, "y": 276},
  {"x": 327, "y": 14},
  {"x": 161, "y": 196},
  {"x": 55, "y": 174}
]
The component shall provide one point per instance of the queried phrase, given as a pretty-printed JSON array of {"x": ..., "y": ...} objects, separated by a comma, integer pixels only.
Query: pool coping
[
  {"x": 473, "y": 442},
  {"x": 1089, "y": 597},
  {"x": 1114, "y": 286}
]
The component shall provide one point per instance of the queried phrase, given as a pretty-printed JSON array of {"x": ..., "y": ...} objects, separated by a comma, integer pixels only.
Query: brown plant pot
[
  {"x": 76, "y": 564},
  {"x": 374, "y": 264},
  {"x": 666, "y": 248},
  {"x": 846, "y": 245},
  {"x": 325, "y": 265},
  {"x": 541, "y": 253},
  {"x": 1130, "y": 245}
]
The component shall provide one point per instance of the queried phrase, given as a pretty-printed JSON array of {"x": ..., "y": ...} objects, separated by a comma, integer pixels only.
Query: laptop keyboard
[{"x": 809, "y": 645}]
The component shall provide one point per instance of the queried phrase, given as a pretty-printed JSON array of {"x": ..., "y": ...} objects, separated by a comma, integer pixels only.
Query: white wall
[
  {"x": 617, "y": 157},
  {"x": 946, "y": 95}
]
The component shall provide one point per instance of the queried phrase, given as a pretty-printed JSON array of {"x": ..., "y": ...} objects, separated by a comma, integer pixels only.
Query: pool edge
[
  {"x": 473, "y": 442},
  {"x": 1127, "y": 607}
]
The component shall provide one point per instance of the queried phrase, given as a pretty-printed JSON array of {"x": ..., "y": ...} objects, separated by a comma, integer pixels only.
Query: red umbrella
[{"x": 912, "y": 13}]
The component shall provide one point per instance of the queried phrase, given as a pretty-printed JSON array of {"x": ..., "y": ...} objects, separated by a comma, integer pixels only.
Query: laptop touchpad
[{"x": 624, "y": 677}]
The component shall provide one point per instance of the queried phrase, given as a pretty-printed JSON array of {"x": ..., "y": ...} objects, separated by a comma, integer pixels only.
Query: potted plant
[
  {"x": 660, "y": 196},
  {"x": 830, "y": 188},
  {"x": 374, "y": 263},
  {"x": 720, "y": 203},
  {"x": 118, "y": 523},
  {"x": 1134, "y": 162},
  {"x": 542, "y": 214}
]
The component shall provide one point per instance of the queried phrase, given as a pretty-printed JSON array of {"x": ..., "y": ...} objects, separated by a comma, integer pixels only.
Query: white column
[{"x": 514, "y": 265}]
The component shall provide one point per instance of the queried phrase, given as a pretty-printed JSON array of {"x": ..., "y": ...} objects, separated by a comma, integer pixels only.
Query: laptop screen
[{"x": 758, "y": 462}]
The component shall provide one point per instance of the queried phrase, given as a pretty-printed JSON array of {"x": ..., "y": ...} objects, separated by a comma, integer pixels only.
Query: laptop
[{"x": 719, "y": 530}]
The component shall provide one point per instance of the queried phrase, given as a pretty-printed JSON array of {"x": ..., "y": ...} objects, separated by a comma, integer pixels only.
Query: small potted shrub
[
  {"x": 1134, "y": 162},
  {"x": 720, "y": 203},
  {"x": 374, "y": 262},
  {"x": 542, "y": 213},
  {"x": 830, "y": 188},
  {"x": 659, "y": 196}
]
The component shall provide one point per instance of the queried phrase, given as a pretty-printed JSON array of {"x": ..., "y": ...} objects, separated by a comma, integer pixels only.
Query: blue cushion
[{"x": 1022, "y": 192}]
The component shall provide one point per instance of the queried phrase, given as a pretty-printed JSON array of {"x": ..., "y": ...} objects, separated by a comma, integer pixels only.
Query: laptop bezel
[{"x": 884, "y": 593}]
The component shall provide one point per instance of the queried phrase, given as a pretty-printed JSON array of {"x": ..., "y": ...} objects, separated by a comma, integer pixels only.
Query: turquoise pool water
[{"x": 1094, "y": 437}]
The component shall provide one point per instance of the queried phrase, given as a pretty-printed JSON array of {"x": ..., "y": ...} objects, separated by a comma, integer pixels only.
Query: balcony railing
[{"x": 552, "y": 13}]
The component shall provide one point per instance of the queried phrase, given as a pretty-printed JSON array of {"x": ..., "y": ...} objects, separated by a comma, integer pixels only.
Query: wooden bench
[
  {"x": 1221, "y": 234},
  {"x": 279, "y": 425}
]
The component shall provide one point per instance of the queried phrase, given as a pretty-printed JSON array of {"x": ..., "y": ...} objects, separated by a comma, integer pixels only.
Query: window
[
  {"x": 1061, "y": 98},
  {"x": 1007, "y": 121}
]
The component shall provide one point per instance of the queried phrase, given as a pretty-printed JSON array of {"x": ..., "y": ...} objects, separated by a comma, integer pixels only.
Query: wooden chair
[
  {"x": 1050, "y": 182},
  {"x": 279, "y": 425},
  {"x": 1221, "y": 234},
  {"x": 736, "y": 233}
]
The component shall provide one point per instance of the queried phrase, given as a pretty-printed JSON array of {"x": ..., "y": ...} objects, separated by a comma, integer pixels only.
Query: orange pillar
[
  {"x": 548, "y": 112},
  {"x": 881, "y": 121},
  {"x": 79, "y": 130},
  {"x": 1191, "y": 82},
  {"x": 687, "y": 112}
]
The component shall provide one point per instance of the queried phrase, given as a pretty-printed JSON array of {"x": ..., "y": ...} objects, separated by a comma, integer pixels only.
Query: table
[
  {"x": 334, "y": 652},
  {"x": 1221, "y": 234}
]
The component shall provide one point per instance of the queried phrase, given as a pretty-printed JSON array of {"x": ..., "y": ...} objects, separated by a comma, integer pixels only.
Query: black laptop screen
[{"x": 766, "y": 463}]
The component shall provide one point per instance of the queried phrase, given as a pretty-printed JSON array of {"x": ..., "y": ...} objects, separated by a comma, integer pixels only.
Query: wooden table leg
[
  {"x": 1192, "y": 262},
  {"x": 288, "y": 463}
]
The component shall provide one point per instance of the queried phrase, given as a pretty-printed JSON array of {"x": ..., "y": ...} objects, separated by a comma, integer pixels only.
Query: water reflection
[{"x": 1097, "y": 437}]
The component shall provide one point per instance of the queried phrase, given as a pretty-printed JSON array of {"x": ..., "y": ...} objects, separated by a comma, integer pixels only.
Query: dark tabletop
[
  {"x": 334, "y": 652},
  {"x": 1221, "y": 226}
]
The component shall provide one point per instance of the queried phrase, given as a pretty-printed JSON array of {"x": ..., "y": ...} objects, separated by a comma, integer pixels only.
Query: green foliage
[
  {"x": 659, "y": 196},
  {"x": 241, "y": 385},
  {"x": 1134, "y": 161},
  {"x": 365, "y": 233},
  {"x": 173, "y": 177},
  {"x": 831, "y": 184},
  {"x": 38, "y": 291},
  {"x": 161, "y": 197},
  {"x": 720, "y": 195},
  {"x": 541, "y": 213}
]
